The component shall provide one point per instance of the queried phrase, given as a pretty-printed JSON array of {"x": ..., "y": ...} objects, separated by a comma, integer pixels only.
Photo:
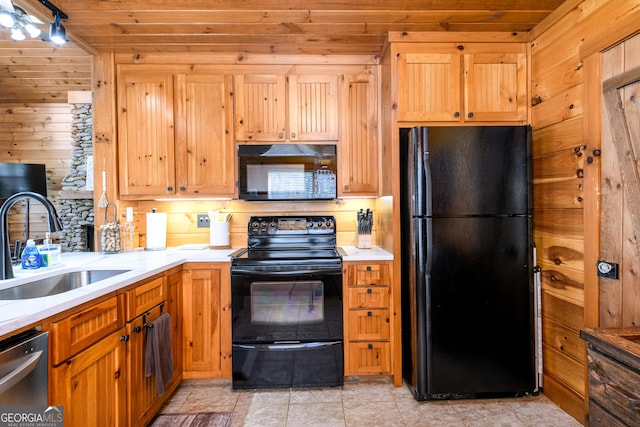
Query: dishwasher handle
[{"x": 20, "y": 372}]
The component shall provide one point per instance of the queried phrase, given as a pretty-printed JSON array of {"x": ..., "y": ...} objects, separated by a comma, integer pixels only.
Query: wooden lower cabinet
[
  {"x": 614, "y": 376},
  {"x": 207, "y": 320},
  {"x": 98, "y": 355},
  {"x": 146, "y": 303},
  {"x": 91, "y": 386},
  {"x": 174, "y": 307},
  {"x": 367, "y": 318}
]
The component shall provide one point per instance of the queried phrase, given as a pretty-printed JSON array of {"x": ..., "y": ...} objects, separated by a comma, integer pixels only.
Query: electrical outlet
[{"x": 203, "y": 221}]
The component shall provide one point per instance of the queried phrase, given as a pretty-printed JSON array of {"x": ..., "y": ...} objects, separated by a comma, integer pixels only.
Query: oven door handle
[
  {"x": 287, "y": 345},
  {"x": 284, "y": 273}
]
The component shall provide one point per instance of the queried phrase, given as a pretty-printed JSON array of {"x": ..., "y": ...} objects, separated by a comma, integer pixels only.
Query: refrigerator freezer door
[
  {"x": 477, "y": 170},
  {"x": 480, "y": 340}
]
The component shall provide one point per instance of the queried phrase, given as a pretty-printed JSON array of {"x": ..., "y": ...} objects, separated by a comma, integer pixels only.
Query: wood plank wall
[
  {"x": 565, "y": 137},
  {"x": 36, "y": 133},
  {"x": 182, "y": 217}
]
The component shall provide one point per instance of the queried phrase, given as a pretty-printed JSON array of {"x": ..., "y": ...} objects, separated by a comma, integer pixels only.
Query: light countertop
[{"x": 16, "y": 314}]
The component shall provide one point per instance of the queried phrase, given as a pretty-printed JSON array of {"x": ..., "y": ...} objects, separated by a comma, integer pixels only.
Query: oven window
[{"x": 287, "y": 303}]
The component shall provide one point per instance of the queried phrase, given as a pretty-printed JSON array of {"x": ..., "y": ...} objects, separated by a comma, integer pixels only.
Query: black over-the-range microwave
[{"x": 287, "y": 172}]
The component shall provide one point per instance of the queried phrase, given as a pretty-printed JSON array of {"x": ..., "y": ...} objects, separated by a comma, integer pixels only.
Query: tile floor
[{"x": 360, "y": 403}]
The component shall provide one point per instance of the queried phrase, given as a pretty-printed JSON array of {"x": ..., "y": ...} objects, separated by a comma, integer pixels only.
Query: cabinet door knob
[
  {"x": 456, "y": 114},
  {"x": 182, "y": 188},
  {"x": 281, "y": 135},
  {"x": 369, "y": 314},
  {"x": 369, "y": 291},
  {"x": 293, "y": 135},
  {"x": 370, "y": 346},
  {"x": 470, "y": 115},
  {"x": 169, "y": 188}
]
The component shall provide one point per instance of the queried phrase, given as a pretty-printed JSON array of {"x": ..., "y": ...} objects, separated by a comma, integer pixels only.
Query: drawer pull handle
[
  {"x": 369, "y": 291},
  {"x": 370, "y": 346},
  {"x": 368, "y": 268},
  {"x": 137, "y": 329},
  {"x": 369, "y": 314}
]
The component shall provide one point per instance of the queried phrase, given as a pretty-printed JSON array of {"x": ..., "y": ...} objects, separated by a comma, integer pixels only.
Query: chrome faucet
[{"x": 54, "y": 225}]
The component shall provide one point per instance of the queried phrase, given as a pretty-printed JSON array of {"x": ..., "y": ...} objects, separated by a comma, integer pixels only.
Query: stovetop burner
[{"x": 288, "y": 240}]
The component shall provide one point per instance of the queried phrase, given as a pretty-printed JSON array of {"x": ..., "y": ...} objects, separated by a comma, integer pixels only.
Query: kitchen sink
[{"x": 57, "y": 284}]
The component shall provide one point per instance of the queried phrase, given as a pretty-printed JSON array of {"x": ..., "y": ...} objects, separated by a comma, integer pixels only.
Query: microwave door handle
[{"x": 20, "y": 372}]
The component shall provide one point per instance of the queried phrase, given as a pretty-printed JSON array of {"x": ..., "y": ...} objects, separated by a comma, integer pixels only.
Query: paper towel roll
[{"x": 156, "y": 231}]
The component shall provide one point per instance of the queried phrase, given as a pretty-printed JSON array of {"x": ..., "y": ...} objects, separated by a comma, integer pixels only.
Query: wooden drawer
[
  {"x": 368, "y": 324},
  {"x": 369, "y": 297},
  {"x": 369, "y": 358},
  {"x": 368, "y": 275},
  {"x": 146, "y": 296},
  {"x": 78, "y": 331},
  {"x": 615, "y": 387}
]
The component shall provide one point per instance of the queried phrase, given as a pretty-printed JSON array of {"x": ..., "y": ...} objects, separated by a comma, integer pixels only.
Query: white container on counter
[{"x": 219, "y": 235}]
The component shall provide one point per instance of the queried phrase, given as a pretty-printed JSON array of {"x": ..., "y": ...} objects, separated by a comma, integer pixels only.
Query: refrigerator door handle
[{"x": 426, "y": 165}]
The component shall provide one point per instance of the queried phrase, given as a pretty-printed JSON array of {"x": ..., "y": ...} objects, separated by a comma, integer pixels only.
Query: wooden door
[
  {"x": 260, "y": 107},
  {"x": 205, "y": 157},
  {"x": 358, "y": 148},
  {"x": 92, "y": 385},
  {"x": 174, "y": 308},
  {"x": 620, "y": 185},
  {"x": 143, "y": 396},
  {"x": 201, "y": 317},
  {"x": 146, "y": 134},
  {"x": 313, "y": 107},
  {"x": 429, "y": 83},
  {"x": 495, "y": 86}
]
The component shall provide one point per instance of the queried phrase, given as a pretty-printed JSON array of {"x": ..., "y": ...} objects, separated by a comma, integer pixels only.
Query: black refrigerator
[{"x": 468, "y": 311}]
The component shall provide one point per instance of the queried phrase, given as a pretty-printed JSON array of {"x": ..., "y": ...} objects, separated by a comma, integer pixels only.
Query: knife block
[{"x": 363, "y": 241}]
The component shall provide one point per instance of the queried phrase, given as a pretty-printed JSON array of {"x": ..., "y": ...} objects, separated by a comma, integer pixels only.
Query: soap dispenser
[{"x": 31, "y": 256}]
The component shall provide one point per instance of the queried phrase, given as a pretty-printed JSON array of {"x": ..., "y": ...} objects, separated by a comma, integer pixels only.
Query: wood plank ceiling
[{"x": 284, "y": 27}]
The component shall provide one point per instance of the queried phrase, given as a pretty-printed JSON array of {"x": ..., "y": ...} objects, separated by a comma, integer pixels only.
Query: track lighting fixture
[{"x": 57, "y": 33}]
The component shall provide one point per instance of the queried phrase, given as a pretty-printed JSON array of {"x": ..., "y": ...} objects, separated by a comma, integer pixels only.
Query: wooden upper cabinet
[
  {"x": 313, "y": 107},
  {"x": 205, "y": 158},
  {"x": 428, "y": 85},
  {"x": 495, "y": 86},
  {"x": 358, "y": 147},
  {"x": 286, "y": 108},
  {"x": 462, "y": 82},
  {"x": 260, "y": 107},
  {"x": 175, "y": 134},
  {"x": 145, "y": 133}
]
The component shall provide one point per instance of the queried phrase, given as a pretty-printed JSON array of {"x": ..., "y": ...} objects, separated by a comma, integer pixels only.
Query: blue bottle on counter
[{"x": 31, "y": 258}]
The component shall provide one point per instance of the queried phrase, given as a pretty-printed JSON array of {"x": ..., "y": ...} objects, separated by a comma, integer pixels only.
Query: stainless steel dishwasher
[{"x": 24, "y": 370}]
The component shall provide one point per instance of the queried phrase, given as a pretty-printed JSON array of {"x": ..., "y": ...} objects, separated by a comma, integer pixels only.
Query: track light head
[{"x": 57, "y": 33}]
